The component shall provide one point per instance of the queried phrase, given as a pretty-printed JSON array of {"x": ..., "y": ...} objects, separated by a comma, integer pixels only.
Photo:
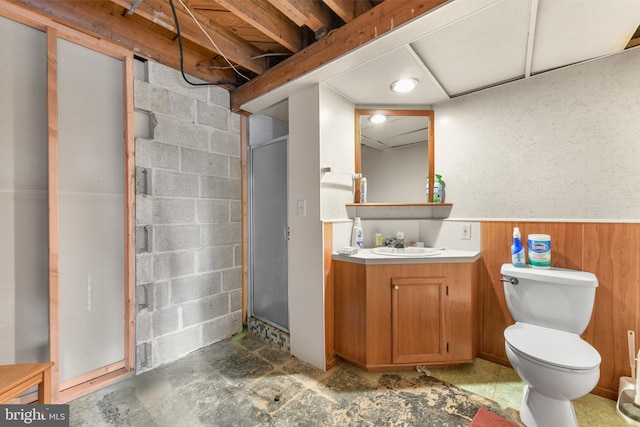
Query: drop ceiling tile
[
  {"x": 567, "y": 32},
  {"x": 395, "y": 132},
  {"x": 370, "y": 82},
  {"x": 484, "y": 48}
]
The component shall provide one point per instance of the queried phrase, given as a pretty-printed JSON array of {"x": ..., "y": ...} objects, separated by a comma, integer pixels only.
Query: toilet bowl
[{"x": 557, "y": 367}]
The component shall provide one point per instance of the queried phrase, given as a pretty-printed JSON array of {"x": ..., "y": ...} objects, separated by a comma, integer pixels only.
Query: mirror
[{"x": 395, "y": 154}]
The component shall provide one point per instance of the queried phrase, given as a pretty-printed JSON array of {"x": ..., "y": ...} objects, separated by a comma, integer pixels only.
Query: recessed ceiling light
[
  {"x": 404, "y": 85},
  {"x": 377, "y": 118}
]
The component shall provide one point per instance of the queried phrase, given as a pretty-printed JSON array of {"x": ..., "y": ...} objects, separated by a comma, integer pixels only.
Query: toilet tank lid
[
  {"x": 557, "y": 348},
  {"x": 561, "y": 276}
]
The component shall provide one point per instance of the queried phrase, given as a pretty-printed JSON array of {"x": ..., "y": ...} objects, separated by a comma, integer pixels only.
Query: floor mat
[{"x": 485, "y": 418}]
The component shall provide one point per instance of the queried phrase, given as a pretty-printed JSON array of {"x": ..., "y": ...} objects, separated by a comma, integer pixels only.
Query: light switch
[{"x": 302, "y": 208}]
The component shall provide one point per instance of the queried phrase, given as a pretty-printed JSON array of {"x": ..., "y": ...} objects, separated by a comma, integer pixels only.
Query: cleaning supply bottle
[
  {"x": 356, "y": 234},
  {"x": 363, "y": 190},
  {"x": 517, "y": 250},
  {"x": 438, "y": 189}
]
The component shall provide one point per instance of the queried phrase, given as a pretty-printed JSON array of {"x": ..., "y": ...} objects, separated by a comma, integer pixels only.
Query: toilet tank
[{"x": 556, "y": 298}]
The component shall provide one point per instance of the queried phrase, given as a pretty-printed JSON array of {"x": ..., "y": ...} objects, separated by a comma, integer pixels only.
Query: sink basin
[{"x": 406, "y": 252}]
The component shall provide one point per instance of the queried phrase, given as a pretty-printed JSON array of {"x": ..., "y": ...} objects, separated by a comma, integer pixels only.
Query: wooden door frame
[{"x": 83, "y": 384}]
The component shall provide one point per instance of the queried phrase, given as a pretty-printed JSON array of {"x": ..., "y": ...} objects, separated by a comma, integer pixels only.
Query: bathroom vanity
[{"x": 396, "y": 312}]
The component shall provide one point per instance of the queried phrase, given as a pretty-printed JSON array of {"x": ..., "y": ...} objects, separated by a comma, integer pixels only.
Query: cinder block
[
  {"x": 175, "y": 184},
  {"x": 144, "y": 210},
  {"x": 170, "y": 347},
  {"x": 220, "y": 188},
  {"x": 221, "y": 328},
  {"x": 176, "y": 237},
  {"x": 171, "y": 79},
  {"x": 215, "y": 258},
  {"x": 213, "y": 211},
  {"x": 237, "y": 256},
  {"x": 161, "y": 295},
  {"x": 211, "y": 115},
  {"x": 220, "y": 96},
  {"x": 221, "y": 234},
  {"x": 153, "y": 154},
  {"x": 143, "y": 181},
  {"x": 225, "y": 142},
  {"x": 144, "y": 327},
  {"x": 235, "y": 214},
  {"x": 205, "y": 309},
  {"x": 173, "y": 264},
  {"x": 235, "y": 168},
  {"x": 174, "y": 211},
  {"x": 144, "y": 297},
  {"x": 195, "y": 287},
  {"x": 204, "y": 163},
  {"x": 144, "y": 239},
  {"x": 144, "y": 268},
  {"x": 162, "y": 101},
  {"x": 235, "y": 300},
  {"x": 234, "y": 122},
  {"x": 232, "y": 279},
  {"x": 144, "y": 352},
  {"x": 183, "y": 133},
  {"x": 165, "y": 321}
]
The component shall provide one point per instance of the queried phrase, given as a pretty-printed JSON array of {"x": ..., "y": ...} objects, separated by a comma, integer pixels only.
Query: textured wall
[
  {"x": 188, "y": 218},
  {"x": 560, "y": 145}
]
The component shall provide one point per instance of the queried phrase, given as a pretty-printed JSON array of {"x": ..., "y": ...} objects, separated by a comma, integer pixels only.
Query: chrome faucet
[{"x": 397, "y": 242}]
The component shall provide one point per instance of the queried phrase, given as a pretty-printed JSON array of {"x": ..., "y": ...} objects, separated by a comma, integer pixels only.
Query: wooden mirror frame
[{"x": 391, "y": 112}]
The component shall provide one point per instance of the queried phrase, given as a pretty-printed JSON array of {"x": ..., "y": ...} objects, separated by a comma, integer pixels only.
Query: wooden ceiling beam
[
  {"x": 228, "y": 44},
  {"x": 92, "y": 18},
  {"x": 345, "y": 9},
  {"x": 266, "y": 18},
  {"x": 379, "y": 20},
  {"x": 311, "y": 13}
]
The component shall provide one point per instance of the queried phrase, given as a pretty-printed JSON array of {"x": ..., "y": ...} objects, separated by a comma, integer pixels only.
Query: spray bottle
[{"x": 517, "y": 250}]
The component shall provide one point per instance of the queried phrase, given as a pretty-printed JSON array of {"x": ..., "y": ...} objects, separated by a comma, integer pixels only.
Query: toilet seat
[{"x": 552, "y": 347}]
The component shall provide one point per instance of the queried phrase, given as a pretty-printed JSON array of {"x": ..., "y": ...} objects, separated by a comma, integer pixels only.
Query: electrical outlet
[{"x": 465, "y": 231}]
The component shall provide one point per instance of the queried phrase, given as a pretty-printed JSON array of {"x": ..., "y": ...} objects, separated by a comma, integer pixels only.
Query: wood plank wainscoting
[{"x": 609, "y": 250}]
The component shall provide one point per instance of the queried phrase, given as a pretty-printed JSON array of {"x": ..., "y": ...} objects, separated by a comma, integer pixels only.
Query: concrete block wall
[{"x": 188, "y": 218}]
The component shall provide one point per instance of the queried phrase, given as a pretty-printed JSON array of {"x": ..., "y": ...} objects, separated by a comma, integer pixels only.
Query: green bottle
[{"x": 438, "y": 189}]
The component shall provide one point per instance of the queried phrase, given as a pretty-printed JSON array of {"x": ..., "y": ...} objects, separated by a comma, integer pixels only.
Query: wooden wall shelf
[{"x": 399, "y": 210}]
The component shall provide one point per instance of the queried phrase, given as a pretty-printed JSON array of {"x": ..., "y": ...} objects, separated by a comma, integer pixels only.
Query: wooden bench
[{"x": 16, "y": 379}]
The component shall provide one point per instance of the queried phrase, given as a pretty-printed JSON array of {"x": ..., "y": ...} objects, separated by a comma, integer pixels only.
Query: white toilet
[{"x": 551, "y": 307}]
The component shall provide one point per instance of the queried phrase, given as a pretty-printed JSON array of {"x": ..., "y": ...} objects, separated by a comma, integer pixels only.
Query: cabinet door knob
[{"x": 396, "y": 287}]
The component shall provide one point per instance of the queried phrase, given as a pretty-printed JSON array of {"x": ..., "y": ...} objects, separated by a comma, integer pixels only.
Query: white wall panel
[
  {"x": 24, "y": 291},
  {"x": 91, "y": 209},
  {"x": 561, "y": 145},
  {"x": 337, "y": 140},
  {"x": 306, "y": 275}
]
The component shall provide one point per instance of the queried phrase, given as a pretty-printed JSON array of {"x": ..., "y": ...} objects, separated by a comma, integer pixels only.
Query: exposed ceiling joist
[
  {"x": 307, "y": 12},
  {"x": 228, "y": 44},
  {"x": 109, "y": 21},
  {"x": 379, "y": 20},
  {"x": 262, "y": 15}
]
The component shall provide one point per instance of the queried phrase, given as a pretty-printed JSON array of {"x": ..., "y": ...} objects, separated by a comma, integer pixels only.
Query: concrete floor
[{"x": 244, "y": 381}]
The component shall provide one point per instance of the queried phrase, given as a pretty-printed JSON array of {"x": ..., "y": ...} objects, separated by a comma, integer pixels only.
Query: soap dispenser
[{"x": 356, "y": 234}]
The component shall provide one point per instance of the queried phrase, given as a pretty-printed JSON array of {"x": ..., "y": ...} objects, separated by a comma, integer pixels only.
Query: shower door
[{"x": 269, "y": 235}]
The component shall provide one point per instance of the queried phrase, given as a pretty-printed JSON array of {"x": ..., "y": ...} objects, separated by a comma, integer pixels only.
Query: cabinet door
[{"x": 418, "y": 319}]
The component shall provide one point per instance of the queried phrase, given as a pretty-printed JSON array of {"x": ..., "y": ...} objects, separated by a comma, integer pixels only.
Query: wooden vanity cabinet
[{"x": 389, "y": 316}]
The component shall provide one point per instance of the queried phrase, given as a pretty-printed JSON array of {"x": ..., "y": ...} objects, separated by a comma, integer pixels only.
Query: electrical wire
[
  {"x": 212, "y": 42},
  {"x": 179, "y": 34}
]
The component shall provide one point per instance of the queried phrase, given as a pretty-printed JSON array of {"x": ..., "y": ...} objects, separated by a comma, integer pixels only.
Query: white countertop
[{"x": 365, "y": 256}]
